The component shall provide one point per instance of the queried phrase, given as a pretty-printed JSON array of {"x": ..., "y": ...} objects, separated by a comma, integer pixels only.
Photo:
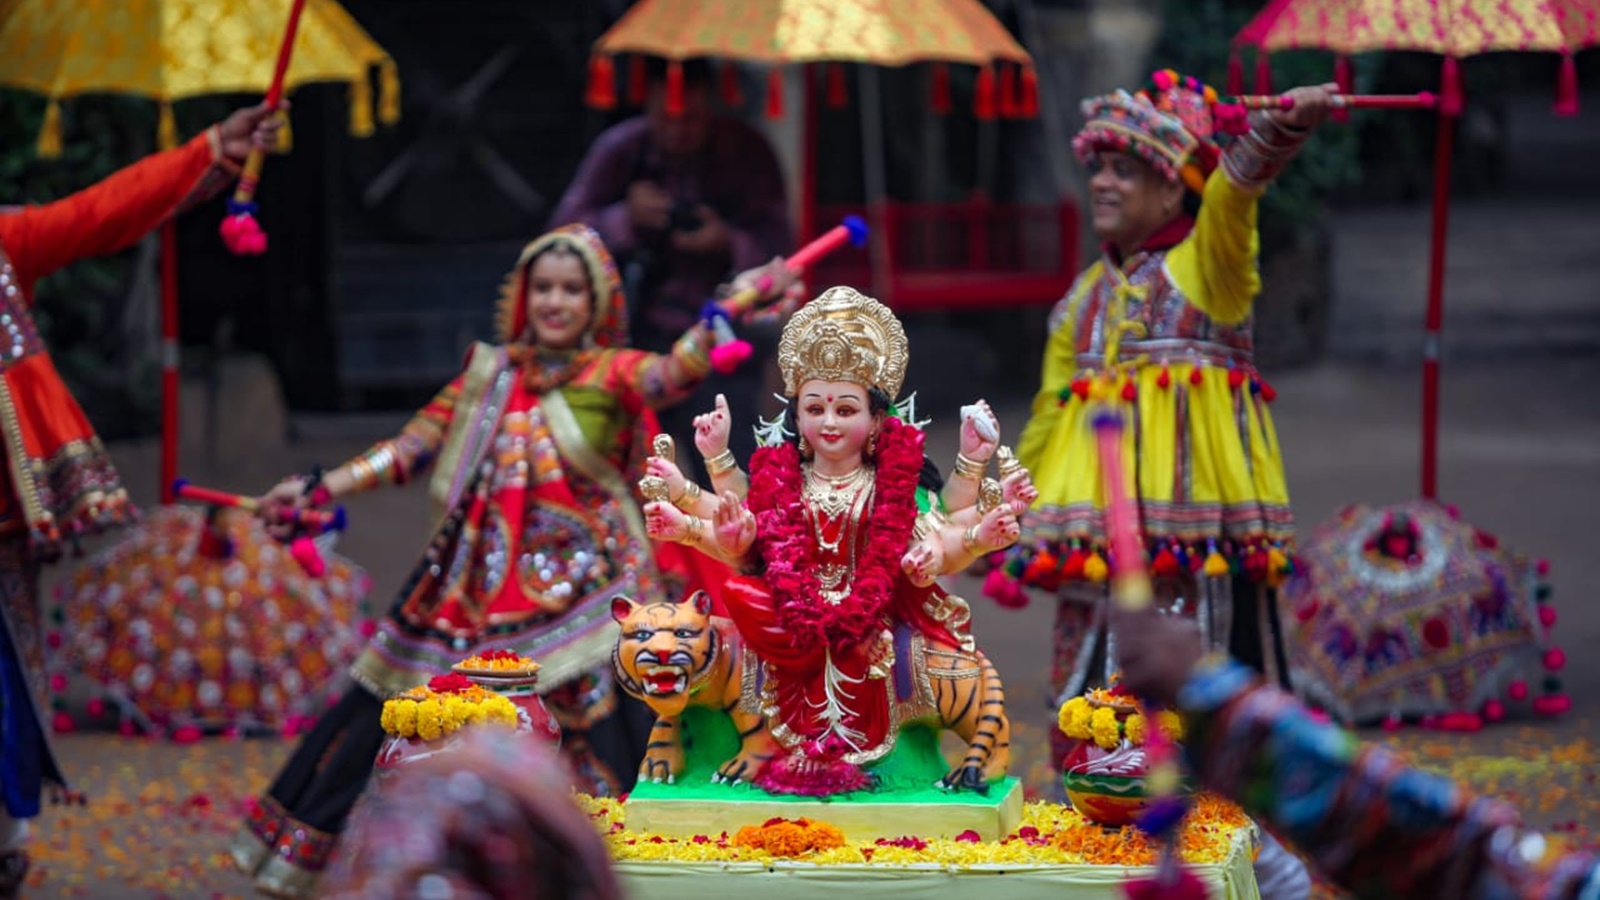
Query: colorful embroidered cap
[{"x": 1171, "y": 123}]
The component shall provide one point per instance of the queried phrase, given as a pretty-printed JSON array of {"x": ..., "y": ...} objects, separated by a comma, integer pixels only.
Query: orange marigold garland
[{"x": 790, "y": 837}]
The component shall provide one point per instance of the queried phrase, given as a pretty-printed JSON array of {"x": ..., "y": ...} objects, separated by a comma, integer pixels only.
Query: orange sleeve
[{"x": 108, "y": 216}]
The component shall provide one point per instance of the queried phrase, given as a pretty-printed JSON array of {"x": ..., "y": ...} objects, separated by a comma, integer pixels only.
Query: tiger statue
[
  {"x": 671, "y": 655},
  {"x": 674, "y": 655}
]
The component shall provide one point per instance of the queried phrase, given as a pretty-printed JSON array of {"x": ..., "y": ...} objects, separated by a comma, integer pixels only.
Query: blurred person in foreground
[
  {"x": 492, "y": 820},
  {"x": 1373, "y": 825},
  {"x": 685, "y": 197},
  {"x": 58, "y": 483}
]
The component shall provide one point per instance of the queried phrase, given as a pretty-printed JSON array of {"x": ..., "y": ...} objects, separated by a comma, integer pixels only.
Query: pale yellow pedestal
[{"x": 992, "y": 818}]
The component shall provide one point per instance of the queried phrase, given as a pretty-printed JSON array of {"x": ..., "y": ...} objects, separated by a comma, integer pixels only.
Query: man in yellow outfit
[{"x": 1159, "y": 327}]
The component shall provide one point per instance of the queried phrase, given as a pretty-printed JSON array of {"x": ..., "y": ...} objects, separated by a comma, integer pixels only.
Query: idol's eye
[
  {"x": 683, "y": 634},
  {"x": 643, "y": 634}
]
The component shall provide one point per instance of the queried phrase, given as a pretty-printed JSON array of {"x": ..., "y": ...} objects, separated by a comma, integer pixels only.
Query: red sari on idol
[{"x": 832, "y": 616}]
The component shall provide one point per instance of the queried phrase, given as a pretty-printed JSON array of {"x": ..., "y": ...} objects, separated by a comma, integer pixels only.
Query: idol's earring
[
  {"x": 872, "y": 445},
  {"x": 805, "y": 448}
]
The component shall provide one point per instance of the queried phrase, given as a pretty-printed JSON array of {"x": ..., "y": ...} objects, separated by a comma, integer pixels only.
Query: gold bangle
[
  {"x": 720, "y": 463},
  {"x": 969, "y": 539},
  {"x": 691, "y": 496},
  {"x": 692, "y": 530},
  {"x": 969, "y": 468}
]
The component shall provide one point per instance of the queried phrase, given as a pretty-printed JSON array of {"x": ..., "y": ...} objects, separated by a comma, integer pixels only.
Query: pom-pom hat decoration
[{"x": 1172, "y": 123}]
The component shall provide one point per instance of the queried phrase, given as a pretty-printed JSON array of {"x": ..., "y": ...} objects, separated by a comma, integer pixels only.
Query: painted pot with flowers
[
  {"x": 482, "y": 691},
  {"x": 1104, "y": 773}
]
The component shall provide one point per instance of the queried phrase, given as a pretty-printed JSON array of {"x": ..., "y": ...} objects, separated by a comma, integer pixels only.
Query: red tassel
[
  {"x": 1344, "y": 76},
  {"x": 638, "y": 81},
  {"x": 1008, "y": 91},
  {"x": 838, "y": 96},
  {"x": 941, "y": 89},
  {"x": 775, "y": 93},
  {"x": 1567, "y": 87},
  {"x": 983, "y": 101},
  {"x": 602, "y": 92},
  {"x": 731, "y": 95},
  {"x": 1235, "y": 73},
  {"x": 1263, "y": 72},
  {"x": 674, "y": 88},
  {"x": 1450, "y": 101},
  {"x": 1028, "y": 106}
]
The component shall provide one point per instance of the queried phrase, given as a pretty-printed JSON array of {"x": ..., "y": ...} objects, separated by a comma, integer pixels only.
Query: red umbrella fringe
[
  {"x": 1567, "y": 87},
  {"x": 732, "y": 96},
  {"x": 638, "y": 81},
  {"x": 983, "y": 97},
  {"x": 674, "y": 103},
  {"x": 775, "y": 93},
  {"x": 941, "y": 89},
  {"x": 1344, "y": 76},
  {"x": 837, "y": 94}
]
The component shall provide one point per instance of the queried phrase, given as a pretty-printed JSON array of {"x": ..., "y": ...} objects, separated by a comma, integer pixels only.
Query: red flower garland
[{"x": 786, "y": 545}]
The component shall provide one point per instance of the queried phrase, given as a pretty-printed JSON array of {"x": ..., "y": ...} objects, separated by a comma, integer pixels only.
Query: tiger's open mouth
[{"x": 665, "y": 679}]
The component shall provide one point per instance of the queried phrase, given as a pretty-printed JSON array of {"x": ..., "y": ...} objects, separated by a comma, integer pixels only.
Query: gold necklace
[{"x": 832, "y": 496}]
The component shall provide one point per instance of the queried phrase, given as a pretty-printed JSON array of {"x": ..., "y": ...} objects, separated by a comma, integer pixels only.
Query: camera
[{"x": 683, "y": 217}]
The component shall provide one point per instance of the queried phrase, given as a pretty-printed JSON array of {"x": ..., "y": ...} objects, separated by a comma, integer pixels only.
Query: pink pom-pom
[
  {"x": 304, "y": 551},
  {"x": 726, "y": 358},
  {"x": 291, "y": 727},
  {"x": 1542, "y": 566},
  {"x": 1004, "y": 590},
  {"x": 96, "y": 707},
  {"x": 1392, "y": 723},
  {"x": 58, "y": 682},
  {"x": 1318, "y": 715},
  {"x": 53, "y": 640},
  {"x": 1163, "y": 80},
  {"x": 1231, "y": 118},
  {"x": 1552, "y": 704},
  {"x": 62, "y": 723},
  {"x": 187, "y": 734},
  {"x": 369, "y": 627},
  {"x": 243, "y": 236},
  {"x": 1555, "y": 659},
  {"x": 1547, "y": 616},
  {"x": 1518, "y": 690},
  {"x": 127, "y": 729},
  {"x": 1494, "y": 711}
]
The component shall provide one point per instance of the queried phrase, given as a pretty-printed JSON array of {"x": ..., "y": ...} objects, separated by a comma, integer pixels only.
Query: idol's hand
[
  {"x": 923, "y": 562},
  {"x": 665, "y": 522},
  {"x": 1017, "y": 490},
  {"x": 711, "y": 429},
  {"x": 980, "y": 433},
  {"x": 668, "y": 472},
  {"x": 733, "y": 527},
  {"x": 999, "y": 529}
]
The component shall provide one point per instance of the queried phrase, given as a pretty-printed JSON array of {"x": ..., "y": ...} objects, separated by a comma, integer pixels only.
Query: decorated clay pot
[
  {"x": 1107, "y": 785},
  {"x": 533, "y": 720}
]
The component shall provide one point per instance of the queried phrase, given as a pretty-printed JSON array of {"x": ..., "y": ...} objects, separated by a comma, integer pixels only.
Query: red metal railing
[{"x": 960, "y": 255}]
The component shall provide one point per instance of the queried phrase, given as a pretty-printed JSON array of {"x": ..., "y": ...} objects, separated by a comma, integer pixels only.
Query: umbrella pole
[
  {"x": 1443, "y": 153},
  {"x": 169, "y": 359}
]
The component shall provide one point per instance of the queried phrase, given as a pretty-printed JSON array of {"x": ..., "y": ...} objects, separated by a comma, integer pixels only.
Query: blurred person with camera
[{"x": 685, "y": 197}]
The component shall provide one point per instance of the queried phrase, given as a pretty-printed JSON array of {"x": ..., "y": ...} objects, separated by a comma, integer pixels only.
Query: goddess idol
[{"x": 842, "y": 535}]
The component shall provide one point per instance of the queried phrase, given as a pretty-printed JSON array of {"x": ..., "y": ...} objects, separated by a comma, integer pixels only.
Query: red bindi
[{"x": 830, "y": 398}]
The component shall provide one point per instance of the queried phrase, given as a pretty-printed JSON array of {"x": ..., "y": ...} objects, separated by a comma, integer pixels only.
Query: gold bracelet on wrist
[
  {"x": 690, "y": 496},
  {"x": 720, "y": 463},
  {"x": 969, "y": 468},
  {"x": 692, "y": 530},
  {"x": 969, "y": 539}
]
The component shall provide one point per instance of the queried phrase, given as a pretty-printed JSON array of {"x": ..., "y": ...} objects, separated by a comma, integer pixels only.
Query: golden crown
[{"x": 844, "y": 335}]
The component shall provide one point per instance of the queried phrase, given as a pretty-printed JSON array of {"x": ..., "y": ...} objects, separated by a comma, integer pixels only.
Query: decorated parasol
[
  {"x": 776, "y": 33},
  {"x": 171, "y": 50},
  {"x": 1453, "y": 29},
  {"x": 1407, "y": 612}
]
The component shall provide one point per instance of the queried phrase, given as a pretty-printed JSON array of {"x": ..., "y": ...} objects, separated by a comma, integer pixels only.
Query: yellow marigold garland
[
  {"x": 1050, "y": 834},
  {"x": 1079, "y": 718},
  {"x": 426, "y": 714}
]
